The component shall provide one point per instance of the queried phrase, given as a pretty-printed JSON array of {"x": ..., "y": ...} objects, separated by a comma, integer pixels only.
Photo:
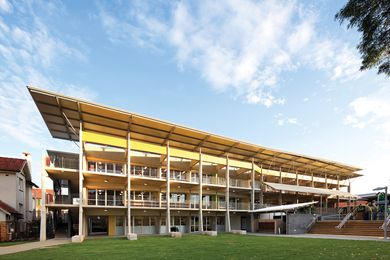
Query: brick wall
[{"x": 3, "y": 231}]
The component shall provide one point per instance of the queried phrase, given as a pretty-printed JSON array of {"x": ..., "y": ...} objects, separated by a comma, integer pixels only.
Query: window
[
  {"x": 119, "y": 198},
  {"x": 118, "y": 168},
  {"x": 101, "y": 196},
  {"x": 110, "y": 197},
  {"x": 110, "y": 167},
  {"x": 101, "y": 167},
  {"x": 92, "y": 166},
  {"x": 20, "y": 207},
  {"x": 20, "y": 183},
  {"x": 91, "y": 197}
]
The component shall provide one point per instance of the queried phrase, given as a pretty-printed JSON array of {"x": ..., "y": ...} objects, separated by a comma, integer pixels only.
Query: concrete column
[
  {"x": 128, "y": 170},
  {"x": 326, "y": 187},
  {"x": 253, "y": 196},
  {"x": 280, "y": 192},
  {"x": 261, "y": 186},
  {"x": 42, "y": 235},
  {"x": 338, "y": 197},
  {"x": 296, "y": 183},
  {"x": 81, "y": 182},
  {"x": 227, "y": 197},
  {"x": 168, "y": 194},
  {"x": 200, "y": 191}
]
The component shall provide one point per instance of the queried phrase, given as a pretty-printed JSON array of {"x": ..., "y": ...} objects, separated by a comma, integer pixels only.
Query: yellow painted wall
[{"x": 111, "y": 225}]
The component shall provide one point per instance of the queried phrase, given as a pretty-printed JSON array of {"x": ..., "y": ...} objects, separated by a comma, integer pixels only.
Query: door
[
  {"x": 120, "y": 226},
  {"x": 98, "y": 225},
  {"x": 244, "y": 223}
]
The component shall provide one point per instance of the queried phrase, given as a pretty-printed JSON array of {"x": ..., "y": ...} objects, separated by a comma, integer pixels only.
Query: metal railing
[
  {"x": 71, "y": 199},
  {"x": 214, "y": 205},
  {"x": 183, "y": 205},
  {"x": 145, "y": 203},
  {"x": 238, "y": 205},
  {"x": 239, "y": 183},
  {"x": 347, "y": 217},
  {"x": 385, "y": 223},
  {"x": 214, "y": 180},
  {"x": 63, "y": 162}
]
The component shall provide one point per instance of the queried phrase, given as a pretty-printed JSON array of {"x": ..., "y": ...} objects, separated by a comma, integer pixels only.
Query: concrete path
[
  {"x": 364, "y": 238},
  {"x": 32, "y": 245}
]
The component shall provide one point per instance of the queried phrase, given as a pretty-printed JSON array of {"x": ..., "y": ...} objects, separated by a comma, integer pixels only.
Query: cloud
[
  {"x": 29, "y": 53},
  {"x": 282, "y": 120},
  {"x": 240, "y": 46},
  {"x": 5, "y": 6},
  {"x": 372, "y": 110}
]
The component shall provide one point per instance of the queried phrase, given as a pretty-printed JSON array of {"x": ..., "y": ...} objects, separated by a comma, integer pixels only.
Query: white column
[
  {"x": 296, "y": 183},
  {"x": 261, "y": 186},
  {"x": 128, "y": 170},
  {"x": 280, "y": 192},
  {"x": 81, "y": 179},
  {"x": 326, "y": 187},
  {"x": 168, "y": 194},
  {"x": 227, "y": 197},
  {"x": 42, "y": 236},
  {"x": 200, "y": 191},
  {"x": 338, "y": 198},
  {"x": 253, "y": 196}
]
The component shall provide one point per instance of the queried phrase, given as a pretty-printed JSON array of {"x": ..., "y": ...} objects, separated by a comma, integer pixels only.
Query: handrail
[
  {"x": 386, "y": 222},
  {"x": 346, "y": 218},
  {"x": 314, "y": 220}
]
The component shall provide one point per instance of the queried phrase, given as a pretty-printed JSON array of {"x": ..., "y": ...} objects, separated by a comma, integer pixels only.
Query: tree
[{"x": 372, "y": 19}]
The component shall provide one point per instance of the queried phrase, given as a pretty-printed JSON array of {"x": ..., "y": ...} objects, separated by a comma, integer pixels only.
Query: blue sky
[{"x": 279, "y": 74}]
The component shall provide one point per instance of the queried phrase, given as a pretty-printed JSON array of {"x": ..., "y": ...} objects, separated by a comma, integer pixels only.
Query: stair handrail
[
  {"x": 346, "y": 218},
  {"x": 312, "y": 222},
  {"x": 385, "y": 223}
]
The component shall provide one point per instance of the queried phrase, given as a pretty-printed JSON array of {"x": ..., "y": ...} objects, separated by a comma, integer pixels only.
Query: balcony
[
  {"x": 182, "y": 205},
  {"x": 239, "y": 205},
  {"x": 58, "y": 160},
  {"x": 238, "y": 183},
  {"x": 214, "y": 180},
  {"x": 144, "y": 172}
]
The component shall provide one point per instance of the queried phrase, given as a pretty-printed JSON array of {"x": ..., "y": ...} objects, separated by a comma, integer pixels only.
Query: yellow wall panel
[
  {"x": 111, "y": 225},
  {"x": 99, "y": 138}
]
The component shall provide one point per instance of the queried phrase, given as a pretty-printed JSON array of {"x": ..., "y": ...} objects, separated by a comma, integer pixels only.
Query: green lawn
[{"x": 225, "y": 246}]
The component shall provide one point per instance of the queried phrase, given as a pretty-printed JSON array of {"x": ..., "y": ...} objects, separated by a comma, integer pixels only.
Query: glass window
[
  {"x": 101, "y": 196},
  {"x": 153, "y": 172},
  {"x": 152, "y": 221},
  {"x": 91, "y": 197},
  {"x": 119, "y": 198},
  {"x": 138, "y": 195},
  {"x": 163, "y": 196},
  {"x": 163, "y": 221},
  {"x": 138, "y": 221},
  {"x": 118, "y": 168},
  {"x": 101, "y": 167},
  {"x": 110, "y": 198},
  {"x": 92, "y": 166},
  {"x": 138, "y": 170},
  {"x": 110, "y": 167}
]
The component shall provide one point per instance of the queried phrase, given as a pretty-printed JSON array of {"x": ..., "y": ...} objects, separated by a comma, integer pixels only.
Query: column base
[
  {"x": 239, "y": 232},
  {"x": 77, "y": 239},
  {"x": 210, "y": 233},
  {"x": 175, "y": 234},
  {"x": 132, "y": 236}
]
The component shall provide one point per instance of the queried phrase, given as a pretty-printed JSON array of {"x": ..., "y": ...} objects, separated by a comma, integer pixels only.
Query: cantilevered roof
[
  {"x": 312, "y": 190},
  {"x": 63, "y": 114},
  {"x": 283, "y": 208}
]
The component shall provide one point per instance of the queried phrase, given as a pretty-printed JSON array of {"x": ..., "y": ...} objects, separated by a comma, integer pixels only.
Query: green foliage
[{"x": 372, "y": 19}]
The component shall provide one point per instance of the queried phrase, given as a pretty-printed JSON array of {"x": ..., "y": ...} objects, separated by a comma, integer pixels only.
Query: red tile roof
[
  {"x": 8, "y": 208},
  {"x": 11, "y": 164}
]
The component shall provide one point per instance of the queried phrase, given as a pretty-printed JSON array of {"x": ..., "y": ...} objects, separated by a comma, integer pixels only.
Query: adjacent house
[{"x": 16, "y": 202}]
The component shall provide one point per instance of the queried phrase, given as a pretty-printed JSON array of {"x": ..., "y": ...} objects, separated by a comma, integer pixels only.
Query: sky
[{"x": 282, "y": 74}]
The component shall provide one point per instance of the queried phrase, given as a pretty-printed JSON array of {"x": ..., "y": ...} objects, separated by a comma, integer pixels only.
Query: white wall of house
[{"x": 8, "y": 188}]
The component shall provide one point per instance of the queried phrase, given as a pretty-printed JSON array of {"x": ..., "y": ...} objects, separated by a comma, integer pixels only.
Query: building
[
  {"x": 16, "y": 202},
  {"x": 37, "y": 197},
  {"x": 138, "y": 175}
]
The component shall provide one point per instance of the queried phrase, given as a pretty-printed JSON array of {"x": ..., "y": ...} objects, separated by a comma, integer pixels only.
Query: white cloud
[
  {"x": 282, "y": 120},
  {"x": 244, "y": 46},
  {"x": 5, "y": 6},
  {"x": 372, "y": 110}
]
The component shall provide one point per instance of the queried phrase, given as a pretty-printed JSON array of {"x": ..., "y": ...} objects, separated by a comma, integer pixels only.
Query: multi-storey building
[{"x": 136, "y": 174}]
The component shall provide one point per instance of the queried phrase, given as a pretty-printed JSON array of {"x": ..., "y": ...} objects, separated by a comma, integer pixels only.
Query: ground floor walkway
[
  {"x": 32, "y": 245},
  {"x": 323, "y": 236}
]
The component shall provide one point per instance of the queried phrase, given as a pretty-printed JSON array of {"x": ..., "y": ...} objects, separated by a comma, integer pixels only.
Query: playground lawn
[{"x": 224, "y": 246}]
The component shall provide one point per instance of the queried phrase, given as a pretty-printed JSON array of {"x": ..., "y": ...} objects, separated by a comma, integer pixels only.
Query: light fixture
[
  {"x": 145, "y": 184},
  {"x": 105, "y": 210},
  {"x": 179, "y": 187},
  {"x": 105, "y": 181}
]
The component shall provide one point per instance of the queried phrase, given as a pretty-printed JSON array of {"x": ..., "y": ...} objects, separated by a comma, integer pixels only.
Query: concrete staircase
[{"x": 351, "y": 228}]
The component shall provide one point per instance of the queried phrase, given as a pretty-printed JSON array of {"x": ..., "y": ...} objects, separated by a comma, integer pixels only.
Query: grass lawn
[{"x": 225, "y": 246}]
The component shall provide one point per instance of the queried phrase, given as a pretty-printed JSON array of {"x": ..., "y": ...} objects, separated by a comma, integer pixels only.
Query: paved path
[
  {"x": 366, "y": 238},
  {"x": 32, "y": 245}
]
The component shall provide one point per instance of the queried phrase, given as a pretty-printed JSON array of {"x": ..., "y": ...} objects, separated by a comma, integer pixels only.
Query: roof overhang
[
  {"x": 311, "y": 190},
  {"x": 63, "y": 116},
  {"x": 284, "y": 208}
]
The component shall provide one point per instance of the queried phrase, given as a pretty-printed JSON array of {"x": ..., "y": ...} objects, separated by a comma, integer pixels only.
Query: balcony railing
[
  {"x": 145, "y": 203},
  {"x": 214, "y": 180},
  {"x": 183, "y": 205},
  {"x": 71, "y": 199},
  {"x": 58, "y": 161},
  {"x": 239, "y": 206},
  {"x": 140, "y": 171},
  {"x": 214, "y": 205},
  {"x": 257, "y": 185},
  {"x": 239, "y": 183}
]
